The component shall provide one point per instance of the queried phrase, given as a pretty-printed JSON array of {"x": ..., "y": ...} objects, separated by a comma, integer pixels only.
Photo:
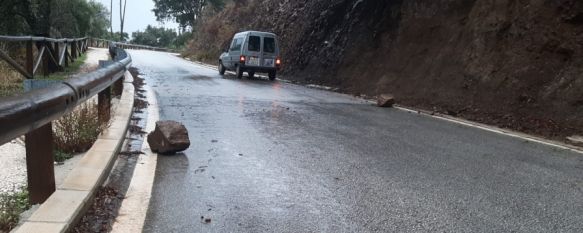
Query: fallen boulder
[
  {"x": 168, "y": 137},
  {"x": 385, "y": 100}
]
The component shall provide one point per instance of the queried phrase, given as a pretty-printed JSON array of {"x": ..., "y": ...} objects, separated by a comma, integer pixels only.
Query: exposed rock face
[
  {"x": 479, "y": 58},
  {"x": 385, "y": 100},
  {"x": 168, "y": 137}
]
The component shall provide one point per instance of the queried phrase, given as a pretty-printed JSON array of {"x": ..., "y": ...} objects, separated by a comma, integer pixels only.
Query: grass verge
[{"x": 73, "y": 68}]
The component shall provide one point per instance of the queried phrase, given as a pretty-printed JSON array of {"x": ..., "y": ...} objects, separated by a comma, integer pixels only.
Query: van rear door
[
  {"x": 254, "y": 51},
  {"x": 269, "y": 53}
]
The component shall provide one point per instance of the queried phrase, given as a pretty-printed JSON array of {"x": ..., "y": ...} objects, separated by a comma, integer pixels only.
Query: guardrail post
[
  {"x": 73, "y": 50},
  {"x": 40, "y": 166},
  {"x": 117, "y": 87},
  {"x": 104, "y": 104},
  {"x": 53, "y": 50},
  {"x": 29, "y": 59}
]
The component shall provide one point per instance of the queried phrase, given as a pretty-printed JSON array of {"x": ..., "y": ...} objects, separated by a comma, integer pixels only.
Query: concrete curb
[{"x": 61, "y": 211}]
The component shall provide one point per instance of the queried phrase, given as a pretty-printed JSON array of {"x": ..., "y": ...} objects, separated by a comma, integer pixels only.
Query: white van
[{"x": 252, "y": 52}]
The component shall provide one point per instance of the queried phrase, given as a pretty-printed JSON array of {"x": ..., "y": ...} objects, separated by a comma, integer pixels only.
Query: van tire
[
  {"x": 222, "y": 68},
  {"x": 251, "y": 74},
  {"x": 272, "y": 75},
  {"x": 239, "y": 72}
]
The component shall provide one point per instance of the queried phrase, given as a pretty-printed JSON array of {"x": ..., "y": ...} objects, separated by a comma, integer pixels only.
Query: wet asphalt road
[{"x": 275, "y": 157}]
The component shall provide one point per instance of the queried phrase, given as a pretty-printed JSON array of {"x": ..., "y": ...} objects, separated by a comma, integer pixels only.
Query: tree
[
  {"x": 122, "y": 17},
  {"x": 184, "y": 12},
  {"x": 53, "y": 18},
  {"x": 98, "y": 21},
  {"x": 155, "y": 36},
  {"x": 111, "y": 17},
  {"x": 25, "y": 17},
  {"x": 76, "y": 18}
]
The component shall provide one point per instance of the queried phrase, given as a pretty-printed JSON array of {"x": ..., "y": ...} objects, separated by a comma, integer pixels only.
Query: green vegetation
[
  {"x": 160, "y": 37},
  {"x": 12, "y": 204},
  {"x": 186, "y": 13},
  {"x": 61, "y": 156},
  {"x": 73, "y": 68},
  {"x": 53, "y": 18}
]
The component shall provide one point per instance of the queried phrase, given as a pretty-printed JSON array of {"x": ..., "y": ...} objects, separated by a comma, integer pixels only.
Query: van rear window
[
  {"x": 269, "y": 45},
  {"x": 254, "y": 44}
]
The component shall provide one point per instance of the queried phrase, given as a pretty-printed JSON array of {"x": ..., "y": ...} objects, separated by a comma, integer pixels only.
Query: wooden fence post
[
  {"x": 29, "y": 59},
  {"x": 66, "y": 54},
  {"x": 73, "y": 51}
]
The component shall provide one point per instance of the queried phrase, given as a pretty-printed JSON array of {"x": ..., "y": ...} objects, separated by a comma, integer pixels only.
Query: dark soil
[{"x": 512, "y": 64}]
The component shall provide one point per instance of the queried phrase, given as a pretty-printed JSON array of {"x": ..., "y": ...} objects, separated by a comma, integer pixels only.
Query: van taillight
[
  {"x": 242, "y": 59},
  {"x": 278, "y": 61}
]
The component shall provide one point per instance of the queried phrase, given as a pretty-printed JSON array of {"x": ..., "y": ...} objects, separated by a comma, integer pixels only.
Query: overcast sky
[{"x": 138, "y": 15}]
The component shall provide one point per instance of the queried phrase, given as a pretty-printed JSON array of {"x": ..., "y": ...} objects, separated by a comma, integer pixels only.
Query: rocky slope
[{"x": 515, "y": 64}]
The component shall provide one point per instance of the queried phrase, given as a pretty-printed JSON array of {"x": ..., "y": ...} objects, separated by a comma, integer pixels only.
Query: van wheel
[
  {"x": 239, "y": 72},
  {"x": 222, "y": 68},
  {"x": 272, "y": 75},
  {"x": 251, "y": 74}
]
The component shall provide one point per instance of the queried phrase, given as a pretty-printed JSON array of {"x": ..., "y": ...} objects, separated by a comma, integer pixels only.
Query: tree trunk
[
  {"x": 122, "y": 16},
  {"x": 111, "y": 18}
]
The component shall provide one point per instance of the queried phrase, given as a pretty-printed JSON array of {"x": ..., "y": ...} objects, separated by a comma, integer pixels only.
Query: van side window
[
  {"x": 254, "y": 44},
  {"x": 233, "y": 45},
  {"x": 237, "y": 44},
  {"x": 268, "y": 45}
]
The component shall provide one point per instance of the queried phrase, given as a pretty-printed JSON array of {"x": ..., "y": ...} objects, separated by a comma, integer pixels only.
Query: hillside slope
[{"x": 515, "y": 64}]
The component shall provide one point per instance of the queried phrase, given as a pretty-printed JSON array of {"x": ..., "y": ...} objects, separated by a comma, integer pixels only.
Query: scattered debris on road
[
  {"x": 135, "y": 129},
  {"x": 130, "y": 153},
  {"x": 205, "y": 220},
  {"x": 101, "y": 214},
  {"x": 169, "y": 137},
  {"x": 140, "y": 103}
]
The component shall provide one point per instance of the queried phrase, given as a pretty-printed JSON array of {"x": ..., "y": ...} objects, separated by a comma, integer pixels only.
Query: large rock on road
[{"x": 169, "y": 137}]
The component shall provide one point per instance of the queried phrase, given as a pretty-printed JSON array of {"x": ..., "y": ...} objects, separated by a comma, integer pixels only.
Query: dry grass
[
  {"x": 77, "y": 131},
  {"x": 10, "y": 80}
]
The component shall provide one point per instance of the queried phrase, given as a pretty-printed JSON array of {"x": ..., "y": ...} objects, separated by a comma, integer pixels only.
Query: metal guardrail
[
  {"x": 131, "y": 46},
  {"x": 31, "y": 114}
]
